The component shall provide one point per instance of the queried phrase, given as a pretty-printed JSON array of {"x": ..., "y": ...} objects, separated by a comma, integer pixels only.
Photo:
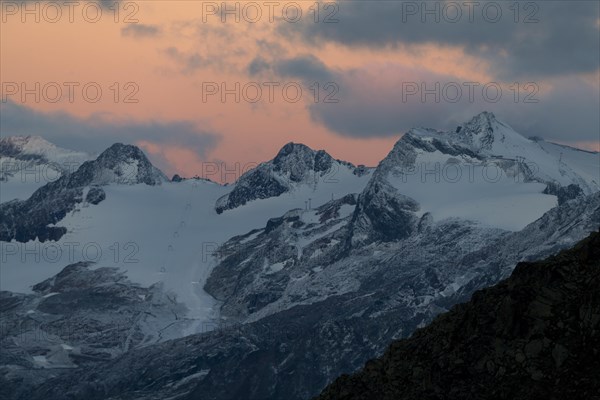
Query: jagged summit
[
  {"x": 483, "y": 118},
  {"x": 299, "y": 160},
  {"x": 122, "y": 151},
  {"x": 485, "y": 133},
  {"x": 122, "y": 164},
  {"x": 487, "y": 142},
  {"x": 294, "y": 165},
  {"x": 291, "y": 147}
]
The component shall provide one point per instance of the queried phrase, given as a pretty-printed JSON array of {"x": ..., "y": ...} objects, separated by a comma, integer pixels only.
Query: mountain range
[{"x": 301, "y": 271}]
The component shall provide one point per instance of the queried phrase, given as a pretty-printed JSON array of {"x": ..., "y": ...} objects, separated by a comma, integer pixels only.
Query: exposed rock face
[
  {"x": 80, "y": 317},
  {"x": 176, "y": 178},
  {"x": 383, "y": 214},
  {"x": 294, "y": 165},
  {"x": 121, "y": 164},
  {"x": 563, "y": 193},
  {"x": 304, "y": 257},
  {"x": 30, "y": 219},
  {"x": 256, "y": 268},
  {"x": 535, "y": 335}
]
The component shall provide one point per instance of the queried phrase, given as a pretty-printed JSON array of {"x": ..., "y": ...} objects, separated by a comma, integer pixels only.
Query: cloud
[
  {"x": 96, "y": 133},
  {"x": 305, "y": 67},
  {"x": 371, "y": 102},
  {"x": 386, "y": 100},
  {"x": 568, "y": 112},
  {"x": 141, "y": 30},
  {"x": 257, "y": 66},
  {"x": 564, "y": 40},
  {"x": 189, "y": 62}
]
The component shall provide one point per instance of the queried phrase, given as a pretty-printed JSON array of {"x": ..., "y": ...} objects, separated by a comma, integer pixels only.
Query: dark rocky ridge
[{"x": 534, "y": 335}]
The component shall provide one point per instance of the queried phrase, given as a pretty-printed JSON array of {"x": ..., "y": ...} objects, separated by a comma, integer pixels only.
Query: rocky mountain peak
[
  {"x": 484, "y": 133},
  {"x": 120, "y": 151},
  {"x": 123, "y": 164},
  {"x": 298, "y": 160},
  {"x": 484, "y": 117},
  {"x": 292, "y": 147},
  {"x": 19, "y": 143},
  {"x": 295, "y": 164}
]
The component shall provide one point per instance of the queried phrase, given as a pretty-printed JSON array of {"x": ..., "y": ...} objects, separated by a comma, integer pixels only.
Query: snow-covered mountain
[
  {"x": 484, "y": 171},
  {"x": 296, "y": 168},
  {"x": 39, "y": 149},
  {"x": 484, "y": 178},
  {"x": 483, "y": 174},
  {"x": 322, "y": 263},
  {"x": 125, "y": 213},
  {"x": 29, "y": 162},
  {"x": 25, "y": 220}
]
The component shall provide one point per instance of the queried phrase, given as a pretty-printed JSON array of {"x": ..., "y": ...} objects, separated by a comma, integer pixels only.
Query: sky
[{"x": 198, "y": 83}]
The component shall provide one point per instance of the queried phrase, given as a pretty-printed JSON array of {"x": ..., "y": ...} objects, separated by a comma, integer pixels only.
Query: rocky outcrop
[
  {"x": 85, "y": 315},
  {"x": 563, "y": 193},
  {"x": 255, "y": 269},
  {"x": 534, "y": 335}
]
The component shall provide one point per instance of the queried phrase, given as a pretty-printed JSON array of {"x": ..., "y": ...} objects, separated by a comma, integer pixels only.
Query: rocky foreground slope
[{"x": 535, "y": 335}]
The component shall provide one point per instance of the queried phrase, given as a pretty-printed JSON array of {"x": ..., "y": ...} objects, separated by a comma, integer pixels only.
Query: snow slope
[{"x": 486, "y": 172}]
